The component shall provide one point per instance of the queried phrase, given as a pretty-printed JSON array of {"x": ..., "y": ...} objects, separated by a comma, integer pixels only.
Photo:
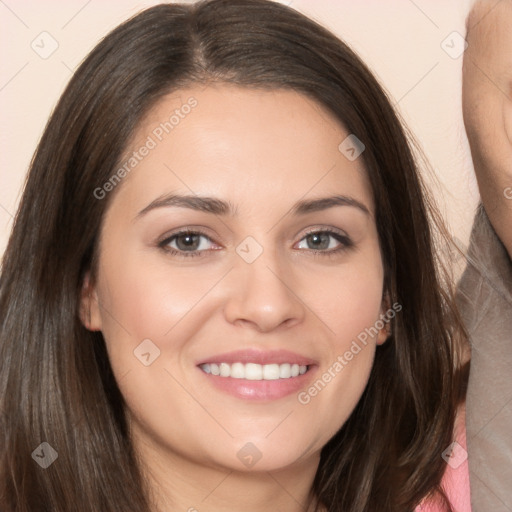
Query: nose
[{"x": 263, "y": 295}]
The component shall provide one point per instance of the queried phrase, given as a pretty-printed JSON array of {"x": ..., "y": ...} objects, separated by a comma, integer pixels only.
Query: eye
[
  {"x": 186, "y": 243},
  {"x": 325, "y": 241}
]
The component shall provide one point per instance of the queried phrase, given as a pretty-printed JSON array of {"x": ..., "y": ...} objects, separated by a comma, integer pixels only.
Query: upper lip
[{"x": 259, "y": 357}]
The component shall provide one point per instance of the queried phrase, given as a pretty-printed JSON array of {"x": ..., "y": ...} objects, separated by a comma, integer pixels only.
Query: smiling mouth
[{"x": 253, "y": 371}]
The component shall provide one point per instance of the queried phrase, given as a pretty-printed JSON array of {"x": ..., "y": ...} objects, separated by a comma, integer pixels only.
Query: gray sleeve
[{"x": 484, "y": 296}]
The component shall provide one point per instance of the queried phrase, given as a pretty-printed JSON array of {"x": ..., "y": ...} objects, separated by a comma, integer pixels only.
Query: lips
[
  {"x": 259, "y": 357},
  {"x": 258, "y": 375}
]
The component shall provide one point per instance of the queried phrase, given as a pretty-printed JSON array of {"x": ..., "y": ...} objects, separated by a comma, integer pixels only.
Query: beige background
[{"x": 401, "y": 40}]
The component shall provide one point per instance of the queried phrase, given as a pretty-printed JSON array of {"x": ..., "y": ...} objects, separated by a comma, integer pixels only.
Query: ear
[
  {"x": 385, "y": 332},
  {"x": 89, "y": 305}
]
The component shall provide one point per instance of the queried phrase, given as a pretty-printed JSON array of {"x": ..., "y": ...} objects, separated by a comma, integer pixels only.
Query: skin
[
  {"x": 487, "y": 109},
  {"x": 262, "y": 151}
]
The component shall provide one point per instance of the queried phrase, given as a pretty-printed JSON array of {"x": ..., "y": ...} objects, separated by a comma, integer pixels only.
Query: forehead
[{"x": 243, "y": 144}]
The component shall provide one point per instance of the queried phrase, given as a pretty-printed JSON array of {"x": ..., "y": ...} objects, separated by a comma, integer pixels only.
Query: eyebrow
[{"x": 219, "y": 207}]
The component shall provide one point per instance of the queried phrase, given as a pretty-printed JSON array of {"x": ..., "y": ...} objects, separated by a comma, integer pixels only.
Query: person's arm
[
  {"x": 487, "y": 108},
  {"x": 485, "y": 289}
]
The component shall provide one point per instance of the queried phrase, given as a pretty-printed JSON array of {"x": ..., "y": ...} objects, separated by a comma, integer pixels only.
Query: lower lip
[{"x": 260, "y": 389}]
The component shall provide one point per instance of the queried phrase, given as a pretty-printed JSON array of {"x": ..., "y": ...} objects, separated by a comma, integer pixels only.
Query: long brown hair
[{"x": 56, "y": 384}]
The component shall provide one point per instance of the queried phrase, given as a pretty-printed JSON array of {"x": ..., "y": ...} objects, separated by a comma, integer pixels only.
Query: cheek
[
  {"x": 156, "y": 309},
  {"x": 348, "y": 299},
  {"x": 350, "y": 305},
  {"x": 147, "y": 300},
  {"x": 348, "y": 310}
]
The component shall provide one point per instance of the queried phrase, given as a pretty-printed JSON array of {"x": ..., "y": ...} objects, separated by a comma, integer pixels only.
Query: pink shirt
[{"x": 455, "y": 480}]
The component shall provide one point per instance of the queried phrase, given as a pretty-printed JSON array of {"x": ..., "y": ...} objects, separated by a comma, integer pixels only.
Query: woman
[{"x": 180, "y": 334}]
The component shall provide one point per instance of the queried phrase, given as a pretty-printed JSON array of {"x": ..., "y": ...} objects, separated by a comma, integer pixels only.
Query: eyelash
[{"x": 344, "y": 240}]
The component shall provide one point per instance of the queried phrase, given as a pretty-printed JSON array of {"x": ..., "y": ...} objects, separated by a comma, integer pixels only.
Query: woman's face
[{"x": 281, "y": 274}]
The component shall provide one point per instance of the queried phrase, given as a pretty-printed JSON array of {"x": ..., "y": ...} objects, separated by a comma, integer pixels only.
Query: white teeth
[
  {"x": 285, "y": 371},
  {"x": 253, "y": 371},
  {"x": 237, "y": 371},
  {"x": 271, "y": 372},
  {"x": 225, "y": 370}
]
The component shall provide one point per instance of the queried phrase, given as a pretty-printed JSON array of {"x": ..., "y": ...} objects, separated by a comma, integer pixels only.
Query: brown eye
[{"x": 186, "y": 243}]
